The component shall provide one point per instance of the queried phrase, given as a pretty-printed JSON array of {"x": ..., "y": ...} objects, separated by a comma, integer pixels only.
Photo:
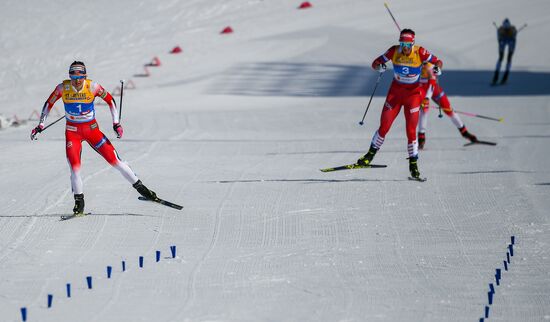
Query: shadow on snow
[{"x": 330, "y": 80}]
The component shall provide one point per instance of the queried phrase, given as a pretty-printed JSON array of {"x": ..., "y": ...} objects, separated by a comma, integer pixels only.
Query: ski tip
[
  {"x": 501, "y": 119},
  {"x": 418, "y": 179}
]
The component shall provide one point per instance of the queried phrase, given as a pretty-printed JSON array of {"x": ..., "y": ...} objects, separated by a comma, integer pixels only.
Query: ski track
[{"x": 265, "y": 237}]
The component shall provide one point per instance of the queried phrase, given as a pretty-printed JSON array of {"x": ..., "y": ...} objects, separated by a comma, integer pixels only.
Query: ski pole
[
  {"x": 44, "y": 129},
  {"x": 59, "y": 119},
  {"x": 495, "y": 24},
  {"x": 478, "y": 115},
  {"x": 395, "y": 21},
  {"x": 522, "y": 27},
  {"x": 374, "y": 90},
  {"x": 121, "y": 92}
]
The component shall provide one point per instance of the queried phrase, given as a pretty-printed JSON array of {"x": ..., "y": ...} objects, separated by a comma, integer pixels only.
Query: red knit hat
[{"x": 406, "y": 37}]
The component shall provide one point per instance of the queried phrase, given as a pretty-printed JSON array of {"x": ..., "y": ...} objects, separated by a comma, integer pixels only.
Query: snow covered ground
[{"x": 236, "y": 127}]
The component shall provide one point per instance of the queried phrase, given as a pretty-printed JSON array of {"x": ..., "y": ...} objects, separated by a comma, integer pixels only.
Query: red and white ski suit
[
  {"x": 432, "y": 90},
  {"x": 81, "y": 125},
  {"x": 405, "y": 91}
]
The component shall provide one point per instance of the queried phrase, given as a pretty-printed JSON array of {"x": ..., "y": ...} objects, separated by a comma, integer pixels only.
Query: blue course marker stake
[
  {"x": 141, "y": 261},
  {"x": 123, "y": 266},
  {"x": 173, "y": 250},
  {"x": 89, "y": 281},
  {"x": 109, "y": 270},
  {"x": 491, "y": 288},
  {"x": 68, "y": 289},
  {"x": 157, "y": 256},
  {"x": 481, "y": 320},
  {"x": 508, "y": 257},
  {"x": 497, "y": 276},
  {"x": 511, "y": 248},
  {"x": 24, "y": 314},
  {"x": 50, "y": 300},
  {"x": 486, "y": 312},
  {"x": 513, "y": 239},
  {"x": 490, "y": 295},
  {"x": 505, "y": 265}
]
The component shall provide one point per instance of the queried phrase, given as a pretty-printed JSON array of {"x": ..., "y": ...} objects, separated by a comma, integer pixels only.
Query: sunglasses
[
  {"x": 73, "y": 77},
  {"x": 406, "y": 44}
]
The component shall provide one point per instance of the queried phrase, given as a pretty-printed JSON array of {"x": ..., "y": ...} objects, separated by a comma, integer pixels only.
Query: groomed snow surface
[{"x": 236, "y": 128}]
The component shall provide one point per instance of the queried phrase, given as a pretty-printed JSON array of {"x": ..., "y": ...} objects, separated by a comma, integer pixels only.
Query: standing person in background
[
  {"x": 405, "y": 91},
  {"x": 78, "y": 94},
  {"x": 433, "y": 90},
  {"x": 506, "y": 35}
]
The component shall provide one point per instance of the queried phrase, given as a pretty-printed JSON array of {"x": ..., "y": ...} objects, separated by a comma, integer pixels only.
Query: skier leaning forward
[
  {"x": 432, "y": 90},
  {"x": 78, "y": 94},
  {"x": 407, "y": 59}
]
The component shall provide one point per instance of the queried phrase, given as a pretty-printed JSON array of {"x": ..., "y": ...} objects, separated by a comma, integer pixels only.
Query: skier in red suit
[
  {"x": 78, "y": 94},
  {"x": 432, "y": 90},
  {"x": 405, "y": 91}
]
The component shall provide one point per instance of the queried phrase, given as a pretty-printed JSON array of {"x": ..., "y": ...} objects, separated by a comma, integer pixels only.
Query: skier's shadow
[
  {"x": 494, "y": 172},
  {"x": 65, "y": 214},
  {"x": 331, "y": 80},
  {"x": 306, "y": 181}
]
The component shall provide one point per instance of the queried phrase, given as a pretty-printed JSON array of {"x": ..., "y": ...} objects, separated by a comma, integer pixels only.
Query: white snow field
[{"x": 236, "y": 128}]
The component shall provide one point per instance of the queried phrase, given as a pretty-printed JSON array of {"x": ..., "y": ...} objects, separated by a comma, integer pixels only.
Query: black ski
[
  {"x": 353, "y": 166},
  {"x": 162, "y": 202},
  {"x": 71, "y": 216},
  {"x": 480, "y": 142},
  {"x": 418, "y": 179}
]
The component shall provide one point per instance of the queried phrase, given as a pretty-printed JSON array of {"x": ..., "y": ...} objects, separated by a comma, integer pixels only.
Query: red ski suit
[
  {"x": 82, "y": 126},
  {"x": 405, "y": 91}
]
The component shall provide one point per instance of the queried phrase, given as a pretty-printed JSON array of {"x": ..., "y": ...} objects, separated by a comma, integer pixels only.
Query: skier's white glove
[
  {"x": 381, "y": 68},
  {"x": 437, "y": 71}
]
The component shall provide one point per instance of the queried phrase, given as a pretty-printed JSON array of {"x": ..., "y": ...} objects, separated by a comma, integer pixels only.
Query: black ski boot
[
  {"x": 495, "y": 78},
  {"x": 367, "y": 158},
  {"x": 467, "y": 135},
  {"x": 421, "y": 140},
  {"x": 78, "y": 209},
  {"x": 504, "y": 78},
  {"x": 144, "y": 191},
  {"x": 413, "y": 167}
]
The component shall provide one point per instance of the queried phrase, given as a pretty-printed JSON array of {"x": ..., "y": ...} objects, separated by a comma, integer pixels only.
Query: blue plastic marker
[
  {"x": 513, "y": 239},
  {"x": 157, "y": 256},
  {"x": 68, "y": 289},
  {"x": 123, "y": 266},
  {"x": 491, "y": 288},
  {"x": 486, "y": 312},
  {"x": 173, "y": 250},
  {"x": 109, "y": 271},
  {"x": 50, "y": 300},
  {"x": 505, "y": 265},
  {"x": 490, "y": 295},
  {"x": 508, "y": 257},
  {"x": 141, "y": 261},
  {"x": 511, "y": 248},
  {"x": 89, "y": 281},
  {"x": 24, "y": 314}
]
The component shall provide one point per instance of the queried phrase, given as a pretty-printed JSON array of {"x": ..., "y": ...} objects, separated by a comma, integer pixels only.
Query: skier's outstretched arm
[
  {"x": 54, "y": 96},
  {"x": 98, "y": 90}
]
